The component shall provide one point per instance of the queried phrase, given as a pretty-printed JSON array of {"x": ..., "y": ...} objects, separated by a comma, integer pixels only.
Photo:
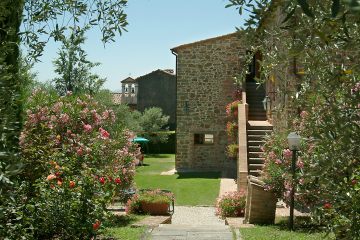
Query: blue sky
[{"x": 154, "y": 27}]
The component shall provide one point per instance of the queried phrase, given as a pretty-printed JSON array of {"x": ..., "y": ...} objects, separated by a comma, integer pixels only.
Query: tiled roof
[
  {"x": 175, "y": 49},
  {"x": 128, "y": 80},
  {"x": 166, "y": 71}
]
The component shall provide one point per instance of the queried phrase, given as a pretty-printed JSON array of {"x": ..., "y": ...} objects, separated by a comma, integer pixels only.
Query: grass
[
  {"x": 279, "y": 231},
  {"x": 276, "y": 232},
  {"x": 119, "y": 228},
  {"x": 189, "y": 188}
]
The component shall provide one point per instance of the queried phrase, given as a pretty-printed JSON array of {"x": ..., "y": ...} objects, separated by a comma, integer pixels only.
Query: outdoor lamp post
[{"x": 294, "y": 145}]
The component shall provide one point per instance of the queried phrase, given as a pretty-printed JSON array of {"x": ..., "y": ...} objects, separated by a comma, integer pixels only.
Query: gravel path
[{"x": 196, "y": 216}]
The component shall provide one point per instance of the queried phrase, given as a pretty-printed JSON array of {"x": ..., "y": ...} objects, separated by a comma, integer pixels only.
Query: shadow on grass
[
  {"x": 157, "y": 156},
  {"x": 301, "y": 224},
  {"x": 208, "y": 175},
  {"x": 121, "y": 221}
]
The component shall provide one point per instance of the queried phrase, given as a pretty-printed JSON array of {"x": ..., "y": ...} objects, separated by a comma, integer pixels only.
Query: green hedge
[{"x": 167, "y": 147}]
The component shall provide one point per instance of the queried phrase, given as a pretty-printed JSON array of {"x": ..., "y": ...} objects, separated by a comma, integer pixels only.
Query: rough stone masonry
[{"x": 205, "y": 85}]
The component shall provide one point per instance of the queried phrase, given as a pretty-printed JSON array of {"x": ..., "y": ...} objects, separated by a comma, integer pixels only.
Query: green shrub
[
  {"x": 74, "y": 166},
  {"x": 232, "y": 204}
]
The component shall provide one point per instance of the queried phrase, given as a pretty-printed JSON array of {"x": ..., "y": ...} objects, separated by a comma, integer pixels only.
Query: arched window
[
  {"x": 126, "y": 90},
  {"x": 132, "y": 88}
]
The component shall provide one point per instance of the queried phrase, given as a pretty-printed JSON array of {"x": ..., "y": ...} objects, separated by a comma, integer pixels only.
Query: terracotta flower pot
[{"x": 155, "y": 208}]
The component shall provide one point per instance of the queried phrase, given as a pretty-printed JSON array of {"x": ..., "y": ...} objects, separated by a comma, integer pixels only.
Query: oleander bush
[
  {"x": 232, "y": 204},
  {"x": 74, "y": 165}
]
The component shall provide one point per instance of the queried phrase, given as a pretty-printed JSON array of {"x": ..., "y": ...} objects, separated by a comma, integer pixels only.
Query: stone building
[
  {"x": 205, "y": 71},
  {"x": 158, "y": 89},
  {"x": 155, "y": 89},
  {"x": 129, "y": 89}
]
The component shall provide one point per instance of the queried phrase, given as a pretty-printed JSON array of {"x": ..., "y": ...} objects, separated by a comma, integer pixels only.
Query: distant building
[
  {"x": 158, "y": 89},
  {"x": 155, "y": 89},
  {"x": 129, "y": 90}
]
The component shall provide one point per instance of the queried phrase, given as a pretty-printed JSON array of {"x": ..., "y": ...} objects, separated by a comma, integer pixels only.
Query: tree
[
  {"x": 322, "y": 38},
  {"x": 153, "y": 124},
  {"x": 74, "y": 69},
  {"x": 42, "y": 20}
]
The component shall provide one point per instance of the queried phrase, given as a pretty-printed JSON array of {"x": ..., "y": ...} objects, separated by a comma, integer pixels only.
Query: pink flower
[
  {"x": 278, "y": 161},
  {"x": 79, "y": 152},
  {"x": 272, "y": 155},
  {"x": 301, "y": 181},
  {"x": 104, "y": 134},
  {"x": 327, "y": 206},
  {"x": 50, "y": 177},
  {"x": 304, "y": 114},
  {"x": 64, "y": 118},
  {"x": 300, "y": 164},
  {"x": 287, "y": 153},
  {"x": 87, "y": 127}
]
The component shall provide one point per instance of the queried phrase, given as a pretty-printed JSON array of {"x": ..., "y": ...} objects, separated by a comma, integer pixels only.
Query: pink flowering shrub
[
  {"x": 277, "y": 171},
  {"x": 232, "y": 204},
  {"x": 74, "y": 164}
]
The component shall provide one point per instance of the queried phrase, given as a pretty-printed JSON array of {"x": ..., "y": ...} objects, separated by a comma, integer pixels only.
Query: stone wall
[{"x": 205, "y": 72}]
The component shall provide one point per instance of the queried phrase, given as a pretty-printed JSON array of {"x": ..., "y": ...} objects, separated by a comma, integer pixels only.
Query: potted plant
[{"x": 153, "y": 202}]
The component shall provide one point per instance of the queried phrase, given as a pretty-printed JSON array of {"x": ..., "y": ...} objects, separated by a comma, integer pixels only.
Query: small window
[
  {"x": 201, "y": 138},
  {"x": 132, "y": 88},
  {"x": 126, "y": 88}
]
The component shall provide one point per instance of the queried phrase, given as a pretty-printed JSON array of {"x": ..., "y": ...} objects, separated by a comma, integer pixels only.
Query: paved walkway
[{"x": 196, "y": 223}]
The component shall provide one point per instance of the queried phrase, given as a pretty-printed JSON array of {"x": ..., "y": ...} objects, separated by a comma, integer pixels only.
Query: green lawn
[
  {"x": 119, "y": 228},
  {"x": 304, "y": 230},
  {"x": 275, "y": 232},
  {"x": 189, "y": 188}
]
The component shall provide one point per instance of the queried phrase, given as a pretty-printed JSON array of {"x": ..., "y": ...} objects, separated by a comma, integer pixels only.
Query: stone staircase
[
  {"x": 256, "y": 131},
  {"x": 191, "y": 232},
  {"x": 255, "y": 94}
]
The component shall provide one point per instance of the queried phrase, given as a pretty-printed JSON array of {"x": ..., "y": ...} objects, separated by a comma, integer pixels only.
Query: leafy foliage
[
  {"x": 74, "y": 69},
  {"x": 153, "y": 123},
  {"x": 310, "y": 51},
  {"x": 74, "y": 166},
  {"x": 231, "y": 204}
]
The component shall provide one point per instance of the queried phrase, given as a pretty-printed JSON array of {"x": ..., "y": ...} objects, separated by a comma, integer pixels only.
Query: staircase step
[
  {"x": 255, "y": 143},
  {"x": 260, "y": 127},
  {"x": 253, "y": 166},
  {"x": 255, "y": 154},
  {"x": 256, "y": 160},
  {"x": 257, "y": 114},
  {"x": 258, "y": 118},
  {"x": 255, "y": 173},
  {"x": 254, "y": 149},
  {"x": 255, "y": 137},
  {"x": 258, "y": 132}
]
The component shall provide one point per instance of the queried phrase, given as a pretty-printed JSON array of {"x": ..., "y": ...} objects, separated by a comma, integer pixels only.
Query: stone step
[
  {"x": 255, "y": 137},
  {"x": 253, "y": 166},
  {"x": 257, "y": 113},
  {"x": 255, "y": 143},
  {"x": 195, "y": 227},
  {"x": 253, "y": 160},
  {"x": 260, "y": 127},
  {"x": 258, "y": 118},
  {"x": 254, "y": 149},
  {"x": 255, "y": 154},
  {"x": 255, "y": 173},
  {"x": 192, "y": 232},
  {"x": 258, "y": 132}
]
